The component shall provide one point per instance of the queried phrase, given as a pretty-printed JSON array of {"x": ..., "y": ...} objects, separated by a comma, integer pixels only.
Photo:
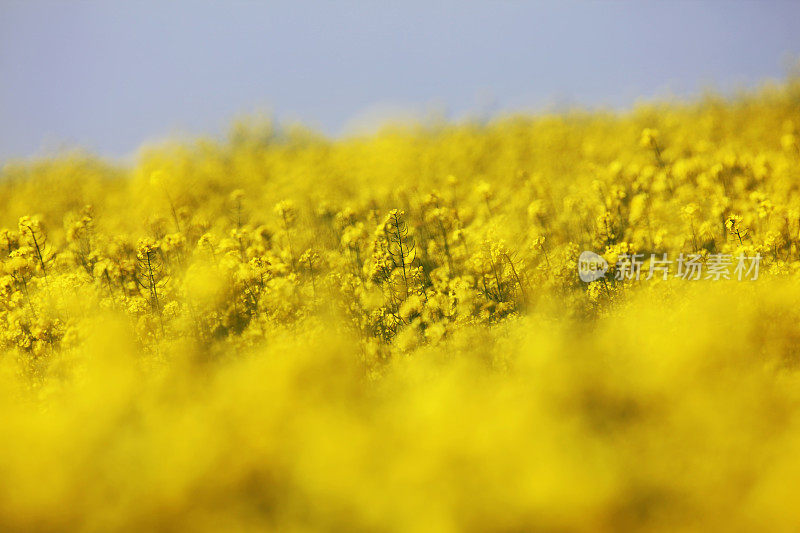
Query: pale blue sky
[{"x": 111, "y": 75}]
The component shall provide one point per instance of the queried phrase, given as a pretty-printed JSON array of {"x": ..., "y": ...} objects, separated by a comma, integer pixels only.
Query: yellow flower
[{"x": 649, "y": 137}]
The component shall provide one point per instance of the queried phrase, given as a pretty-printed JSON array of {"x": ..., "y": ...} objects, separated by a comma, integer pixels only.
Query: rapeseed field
[{"x": 393, "y": 332}]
